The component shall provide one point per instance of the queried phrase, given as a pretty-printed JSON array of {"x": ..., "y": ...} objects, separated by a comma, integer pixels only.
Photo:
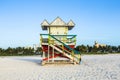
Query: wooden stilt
[
  {"x": 48, "y": 53},
  {"x": 53, "y": 54},
  {"x": 43, "y": 55}
]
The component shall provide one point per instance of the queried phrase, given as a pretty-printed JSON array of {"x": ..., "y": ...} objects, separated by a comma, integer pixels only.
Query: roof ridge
[{"x": 58, "y": 21}]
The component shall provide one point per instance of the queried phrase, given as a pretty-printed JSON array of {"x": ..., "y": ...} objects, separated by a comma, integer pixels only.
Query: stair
[
  {"x": 62, "y": 51},
  {"x": 65, "y": 54},
  {"x": 68, "y": 47}
]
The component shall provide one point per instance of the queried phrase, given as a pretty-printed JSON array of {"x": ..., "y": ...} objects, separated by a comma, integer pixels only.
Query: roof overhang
[{"x": 46, "y": 27}]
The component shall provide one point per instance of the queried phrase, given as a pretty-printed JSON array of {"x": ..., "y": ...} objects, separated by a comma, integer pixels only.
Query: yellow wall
[{"x": 58, "y": 30}]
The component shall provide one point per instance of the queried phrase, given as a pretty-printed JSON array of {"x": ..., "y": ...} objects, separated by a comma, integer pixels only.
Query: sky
[{"x": 96, "y": 20}]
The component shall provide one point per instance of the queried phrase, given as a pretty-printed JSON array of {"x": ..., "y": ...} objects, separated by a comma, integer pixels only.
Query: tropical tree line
[
  {"x": 19, "y": 51},
  {"x": 84, "y": 49},
  {"x": 98, "y": 50}
]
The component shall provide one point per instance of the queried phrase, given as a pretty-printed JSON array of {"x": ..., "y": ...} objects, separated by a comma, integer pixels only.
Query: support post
[
  {"x": 48, "y": 52},
  {"x": 53, "y": 55},
  {"x": 73, "y": 55},
  {"x": 43, "y": 55}
]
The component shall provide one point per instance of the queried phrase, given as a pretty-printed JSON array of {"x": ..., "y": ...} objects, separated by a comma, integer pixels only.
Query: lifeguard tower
[{"x": 57, "y": 43}]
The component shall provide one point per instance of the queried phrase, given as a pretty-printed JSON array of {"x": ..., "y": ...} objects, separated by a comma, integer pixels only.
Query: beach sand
[{"x": 92, "y": 67}]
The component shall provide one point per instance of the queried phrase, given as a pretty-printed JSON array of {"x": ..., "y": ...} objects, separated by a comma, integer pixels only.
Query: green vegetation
[
  {"x": 100, "y": 50},
  {"x": 22, "y": 51},
  {"x": 19, "y": 51}
]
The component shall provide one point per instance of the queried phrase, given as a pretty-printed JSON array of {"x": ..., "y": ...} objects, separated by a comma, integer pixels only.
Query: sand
[{"x": 92, "y": 67}]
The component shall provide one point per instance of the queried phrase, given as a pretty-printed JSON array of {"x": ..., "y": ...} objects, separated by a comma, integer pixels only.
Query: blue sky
[{"x": 95, "y": 20}]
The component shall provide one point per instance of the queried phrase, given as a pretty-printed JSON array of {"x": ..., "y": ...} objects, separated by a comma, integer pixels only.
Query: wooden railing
[{"x": 67, "y": 39}]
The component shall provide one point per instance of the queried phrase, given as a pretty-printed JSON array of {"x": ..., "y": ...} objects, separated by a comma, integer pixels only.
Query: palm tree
[
  {"x": 9, "y": 51},
  {"x": 114, "y": 49},
  {"x": 1, "y": 50},
  {"x": 119, "y": 48},
  {"x": 94, "y": 49},
  {"x": 82, "y": 48},
  {"x": 89, "y": 48}
]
